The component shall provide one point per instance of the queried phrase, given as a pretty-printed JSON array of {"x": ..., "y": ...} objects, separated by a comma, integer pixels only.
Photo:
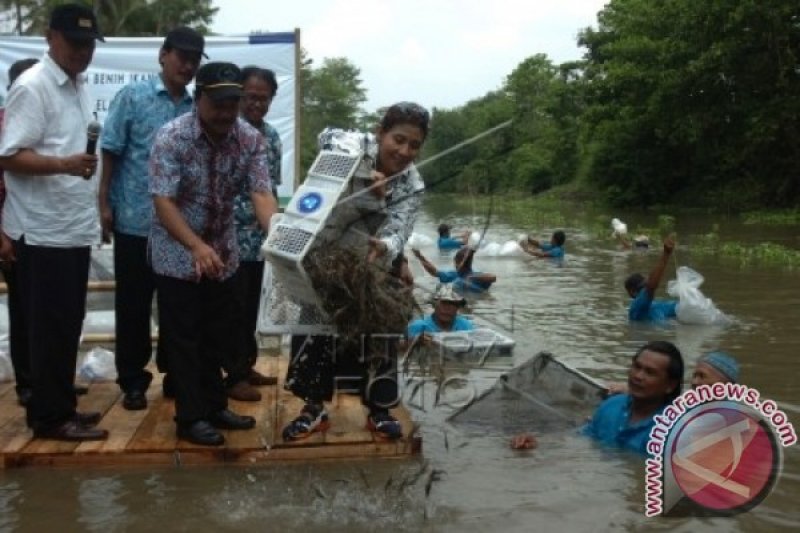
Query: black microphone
[{"x": 92, "y": 134}]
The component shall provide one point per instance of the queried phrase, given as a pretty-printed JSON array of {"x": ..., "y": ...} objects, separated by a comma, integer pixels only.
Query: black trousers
[
  {"x": 318, "y": 367},
  {"x": 17, "y": 328},
  {"x": 247, "y": 288},
  {"x": 196, "y": 329},
  {"x": 133, "y": 304},
  {"x": 52, "y": 284}
]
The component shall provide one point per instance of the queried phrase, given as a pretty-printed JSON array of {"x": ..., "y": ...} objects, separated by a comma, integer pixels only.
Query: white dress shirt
[{"x": 48, "y": 113}]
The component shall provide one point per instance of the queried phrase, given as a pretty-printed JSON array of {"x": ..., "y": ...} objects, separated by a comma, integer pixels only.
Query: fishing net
[{"x": 541, "y": 395}]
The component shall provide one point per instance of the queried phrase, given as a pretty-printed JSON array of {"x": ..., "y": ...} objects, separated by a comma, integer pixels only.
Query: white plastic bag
[
  {"x": 98, "y": 365},
  {"x": 693, "y": 306},
  {"x": 619, "y": 227},
  {"x": 6, "y": 367}
]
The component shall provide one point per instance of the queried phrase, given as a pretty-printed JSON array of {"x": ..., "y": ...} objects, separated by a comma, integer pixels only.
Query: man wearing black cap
[
  {"x": 51, "y": 216},
  {"x": 199, "y": 163},
  {"x": 136, "y": 113}
]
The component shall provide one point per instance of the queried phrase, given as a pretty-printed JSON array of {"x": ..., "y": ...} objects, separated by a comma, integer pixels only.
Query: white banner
[{"x": 121, "y": 60}]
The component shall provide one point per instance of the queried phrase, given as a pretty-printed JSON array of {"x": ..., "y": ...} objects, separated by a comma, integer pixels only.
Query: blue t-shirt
[
  {"x": 134, "y": 117},
  {"x": 449, "y": 243},
  {"x": 428, "y": 325},
  {"x": 609, "y": 425},
  {"x": 644, "y": 307},
  {"x": 556, "y": 252},
  {"x": 461, "y": 283}
]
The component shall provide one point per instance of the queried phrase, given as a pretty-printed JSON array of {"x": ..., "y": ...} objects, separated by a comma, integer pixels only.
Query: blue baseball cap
[{"x": 723, "y": 363}]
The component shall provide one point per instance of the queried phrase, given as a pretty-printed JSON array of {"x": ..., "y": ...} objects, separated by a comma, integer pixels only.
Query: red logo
[{"x": 725, "y": 458}]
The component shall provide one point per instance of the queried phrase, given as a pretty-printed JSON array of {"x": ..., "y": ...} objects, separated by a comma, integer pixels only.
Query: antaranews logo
[{"x": 718, "y": 446}]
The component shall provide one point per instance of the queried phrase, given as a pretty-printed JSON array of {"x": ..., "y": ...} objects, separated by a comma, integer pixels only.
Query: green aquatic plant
[
  {"x": 772, "y": 218},
  {"x": 767, "y": 253}
]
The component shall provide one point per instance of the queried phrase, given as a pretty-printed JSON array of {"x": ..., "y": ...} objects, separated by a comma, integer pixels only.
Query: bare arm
[
  {"x": 206, "y": 260},
  {"x": 483, "y": 278},
  {"x": 654, "y": 278},
  {"x": 429, "y": 267},
  {"x": 27, "y": 161},
  {"x": 265, "y": 205},
  {"x": 106, "y": 215}
]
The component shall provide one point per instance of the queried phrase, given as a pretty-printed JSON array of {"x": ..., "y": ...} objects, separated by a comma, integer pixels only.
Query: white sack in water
[
  {"x": 693, "y": 306},
  {"x": 418, "y": 240},
  {"x": 619, "y": 227},
  {"x": 495, "y": 249}
]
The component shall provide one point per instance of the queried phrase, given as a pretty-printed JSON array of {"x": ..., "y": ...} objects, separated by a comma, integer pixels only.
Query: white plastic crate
[
  {"x": 474, "y": 345},
  {"x": 331, "y": 209}
]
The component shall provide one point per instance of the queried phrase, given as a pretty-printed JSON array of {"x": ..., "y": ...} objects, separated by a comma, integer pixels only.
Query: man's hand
[
  {"x": 6, "y": 248},
  {"x": 82, "y": 165},
  {"x": 206, "y": 261},
  {"x": 526, "y": 441},
  {"x": 669, "y": 245},
  {"x": 106, "y": 221}
]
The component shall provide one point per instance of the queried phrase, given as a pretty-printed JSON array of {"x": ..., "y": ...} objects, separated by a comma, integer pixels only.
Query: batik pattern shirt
[
  {"x": 2, "y": 181},
  {"x": 249, "y": 234},
  {"x": 203, "y": 179},
  {"x": 136, "y": 114},
  {"x": 404, "y": 193}
]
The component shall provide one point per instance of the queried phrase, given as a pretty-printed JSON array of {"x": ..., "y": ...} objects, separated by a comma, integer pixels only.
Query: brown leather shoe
[
  {"x": 244, "y": 392},
  {"x": 87, "y": 419},
  {"x": 257, "y": 379},
  {"x": 72, "y": 431}
]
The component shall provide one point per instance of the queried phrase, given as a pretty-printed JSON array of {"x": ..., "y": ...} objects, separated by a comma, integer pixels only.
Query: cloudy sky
[{"x": 440, "y": 53}]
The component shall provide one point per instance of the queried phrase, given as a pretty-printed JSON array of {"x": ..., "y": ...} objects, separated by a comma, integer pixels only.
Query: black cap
[
  {"x": 219, "y": 80},
  {"x": 76, "y": 22},
  {"x": 186, "y": 39}
]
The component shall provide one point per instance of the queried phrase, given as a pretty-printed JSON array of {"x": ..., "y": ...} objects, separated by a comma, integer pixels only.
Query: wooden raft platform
[{"x": 147, "y": 438}]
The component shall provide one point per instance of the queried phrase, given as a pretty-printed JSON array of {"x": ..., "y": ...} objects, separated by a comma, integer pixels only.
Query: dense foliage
[
  {"x": 676, "y": 101},
  {"x": 115, "y": 17}
]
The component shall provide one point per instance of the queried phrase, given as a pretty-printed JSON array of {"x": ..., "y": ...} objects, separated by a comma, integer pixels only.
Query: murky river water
[{"x": 468, "y": 482}]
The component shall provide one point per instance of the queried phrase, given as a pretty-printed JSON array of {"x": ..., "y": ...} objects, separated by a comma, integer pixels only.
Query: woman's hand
[
  {"x": 379, "y": 183},
  {"x": 377, "y": 248}
]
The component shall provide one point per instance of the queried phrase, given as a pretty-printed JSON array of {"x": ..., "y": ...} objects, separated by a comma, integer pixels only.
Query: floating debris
[{"x": 360, "y": 297}]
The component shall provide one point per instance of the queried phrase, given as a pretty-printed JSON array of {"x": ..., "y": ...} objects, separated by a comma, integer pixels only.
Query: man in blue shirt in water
[
  {"x": 463, "y": 277},
  {"x": 644, "y": 306},
  {"x": 554, "y": 249},
  {"x": 625, "y": 420},
  {"x": 446, "y": 242},
  {"x": 445, "y": 317}
]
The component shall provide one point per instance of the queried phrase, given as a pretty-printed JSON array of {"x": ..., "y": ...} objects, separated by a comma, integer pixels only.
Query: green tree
[
  {"x": 332, "y": 96},
  {"x": 116, "y": 17}
]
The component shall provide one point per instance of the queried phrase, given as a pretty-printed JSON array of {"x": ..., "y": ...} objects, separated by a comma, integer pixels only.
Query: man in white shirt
[{"x": 50, "y": 214}]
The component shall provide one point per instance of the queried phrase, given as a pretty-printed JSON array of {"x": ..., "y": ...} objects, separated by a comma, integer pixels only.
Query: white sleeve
[{"x": 24, "y": 122}]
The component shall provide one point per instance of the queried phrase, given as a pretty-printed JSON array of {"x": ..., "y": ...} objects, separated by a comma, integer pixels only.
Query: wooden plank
[
  {"x": 256, "y": 438},
  {"x": 148, "y": 437},
  {"x": 100, "y": 398},
  {"x": 121, "y": 425},
  {"x": 157, "y": 430},
  {"x": 15, "y": 435},
  {"x": 348, "y": 421}
]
